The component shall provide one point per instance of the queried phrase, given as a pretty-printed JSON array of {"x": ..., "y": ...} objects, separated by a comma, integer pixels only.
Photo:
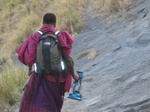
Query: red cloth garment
[
  {"x": 27, "y": 51},
  {"x": 26, "y": 103},
  {"x": 27, "y": 55},
  {"x": 46, "y": 97}
]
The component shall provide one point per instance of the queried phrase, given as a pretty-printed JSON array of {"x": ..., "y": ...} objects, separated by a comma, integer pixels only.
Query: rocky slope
[{"x": 118, "y": 78}]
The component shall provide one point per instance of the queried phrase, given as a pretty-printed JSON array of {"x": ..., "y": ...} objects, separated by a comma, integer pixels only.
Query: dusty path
[{"x": 118, "y": 78}]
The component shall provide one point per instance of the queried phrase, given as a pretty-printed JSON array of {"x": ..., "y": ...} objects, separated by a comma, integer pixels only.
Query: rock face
[{"x": 117, "y": 79}]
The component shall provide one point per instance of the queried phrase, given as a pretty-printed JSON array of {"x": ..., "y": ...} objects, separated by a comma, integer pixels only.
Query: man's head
[{"x": 49, "y": 18}]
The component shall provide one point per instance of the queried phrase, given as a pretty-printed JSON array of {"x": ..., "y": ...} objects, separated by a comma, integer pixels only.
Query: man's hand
[
  {"x": 70, "y": 66},
  {"x": 75, "y": 77},
  {"x": 30, "y": 72}
]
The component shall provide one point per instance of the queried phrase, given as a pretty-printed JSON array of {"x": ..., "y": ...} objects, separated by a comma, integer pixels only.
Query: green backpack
[{"x": 48, "y": 57}]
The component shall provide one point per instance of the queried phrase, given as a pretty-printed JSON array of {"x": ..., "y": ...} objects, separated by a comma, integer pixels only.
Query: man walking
[{"x": 46, "y": 95}]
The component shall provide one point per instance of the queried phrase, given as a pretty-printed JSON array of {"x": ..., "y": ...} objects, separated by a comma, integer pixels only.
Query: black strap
[{"x": 30, "y": 67}]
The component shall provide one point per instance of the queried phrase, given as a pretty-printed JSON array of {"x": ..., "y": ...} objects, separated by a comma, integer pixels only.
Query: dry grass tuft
[
  {"x": 115, "y": 5},
  {"x": 111, "y": 6},
  {"x": 11, "y": 82},
  {"x": 90, "y": 53},
  {"x": 107, "y": 9}
]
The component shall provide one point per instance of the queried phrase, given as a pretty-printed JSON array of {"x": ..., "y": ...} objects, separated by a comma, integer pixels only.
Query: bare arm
[{"x": 70, "y": 66}]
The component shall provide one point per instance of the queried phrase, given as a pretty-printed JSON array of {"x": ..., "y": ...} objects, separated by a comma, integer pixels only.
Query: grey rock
[
  {"x": 118, "y": 78},
  {"x": 144, "y": 39}
]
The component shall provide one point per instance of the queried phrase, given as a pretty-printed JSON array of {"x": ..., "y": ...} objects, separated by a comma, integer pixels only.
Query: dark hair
[{"x": 49, "y": 18}]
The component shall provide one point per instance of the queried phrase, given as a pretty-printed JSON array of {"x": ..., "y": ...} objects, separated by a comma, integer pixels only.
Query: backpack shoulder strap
[
  {"x": 40, "y": 32},
  {"x": 43, "y": 33},
  {"x": 57, "y": 32}
]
